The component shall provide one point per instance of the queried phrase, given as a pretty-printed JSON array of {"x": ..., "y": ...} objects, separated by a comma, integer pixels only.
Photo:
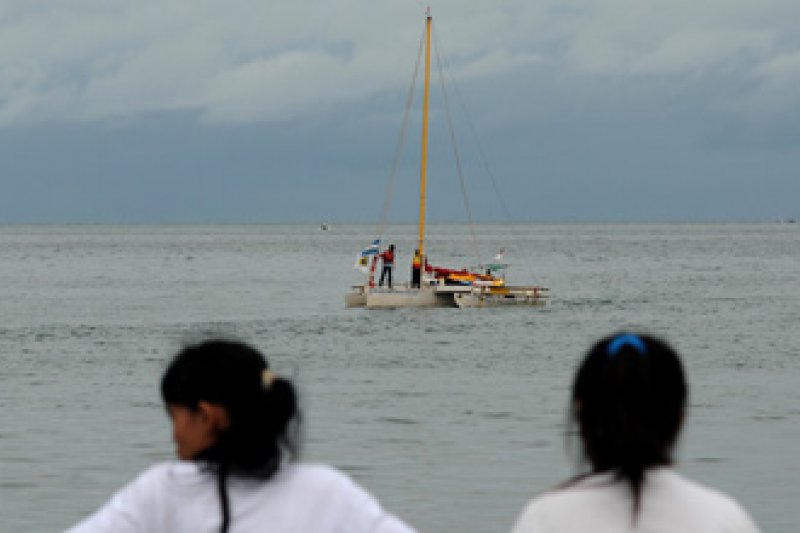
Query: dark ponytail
[
  {"x": 261, "y": 407},
  {"x": 628, "y": 401}
]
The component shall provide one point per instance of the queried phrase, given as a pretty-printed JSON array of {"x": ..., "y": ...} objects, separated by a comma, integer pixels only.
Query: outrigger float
[{"x": 482, "y": 286}]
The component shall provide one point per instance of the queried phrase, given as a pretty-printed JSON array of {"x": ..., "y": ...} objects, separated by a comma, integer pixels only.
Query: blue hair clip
[{"x": 626, "y": 339}]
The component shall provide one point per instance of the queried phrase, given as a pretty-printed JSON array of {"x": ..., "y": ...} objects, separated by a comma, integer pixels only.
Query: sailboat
[{"x": 482, "y": 286}]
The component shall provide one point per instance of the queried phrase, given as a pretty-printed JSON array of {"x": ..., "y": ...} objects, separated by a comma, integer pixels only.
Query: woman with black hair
[
  {"x": 629, "y": 401},
  {"x": 233, "y": 422}
]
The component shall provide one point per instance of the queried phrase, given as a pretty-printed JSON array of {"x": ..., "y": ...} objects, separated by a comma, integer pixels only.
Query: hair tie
[
  {"x": 268, "y": 377},
  {"x": 626, "y": 339}
]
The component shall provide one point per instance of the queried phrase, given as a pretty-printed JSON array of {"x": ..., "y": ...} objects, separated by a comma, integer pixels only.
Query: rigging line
[
  {"x": 400, "y": 142},
  {"x": 455, "y": 150},
  {"x": 485, "y": 160}
]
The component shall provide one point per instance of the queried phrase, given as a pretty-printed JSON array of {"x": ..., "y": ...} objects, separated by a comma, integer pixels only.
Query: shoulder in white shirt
[
  {"x": 179, "y": 496},
  {"x": 602, "y": 504}
]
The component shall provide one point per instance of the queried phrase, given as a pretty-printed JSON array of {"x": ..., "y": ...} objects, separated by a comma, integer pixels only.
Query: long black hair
[
  {"x": 628, "y": 400},
  {"x": 261, "y": 407}
]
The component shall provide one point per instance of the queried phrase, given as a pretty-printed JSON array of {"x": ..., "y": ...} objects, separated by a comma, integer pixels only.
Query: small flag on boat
[
  {"x": 498, "y": 261},
  {"x": 362, "y": 261}
]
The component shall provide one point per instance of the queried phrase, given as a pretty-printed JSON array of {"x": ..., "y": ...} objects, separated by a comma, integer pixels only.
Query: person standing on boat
[
  {"x": 388, "y": 265},
  {"x": 416, "y": 267}
]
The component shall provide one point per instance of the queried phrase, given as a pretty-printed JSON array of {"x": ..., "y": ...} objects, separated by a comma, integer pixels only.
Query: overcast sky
[{"x": 249, "y": 111}]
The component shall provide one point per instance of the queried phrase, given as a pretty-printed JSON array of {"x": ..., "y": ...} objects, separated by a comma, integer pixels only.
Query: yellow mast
[{"x": 423, "y": 171}]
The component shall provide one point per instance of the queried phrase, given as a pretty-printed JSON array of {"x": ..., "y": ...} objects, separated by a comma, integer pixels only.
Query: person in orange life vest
[
  {"x": 388, "y": 264},
  {"x": 416, "y": 266}
]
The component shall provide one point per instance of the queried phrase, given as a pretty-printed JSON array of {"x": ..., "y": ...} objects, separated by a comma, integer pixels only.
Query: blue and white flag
[{"x": 362, "y": 261}]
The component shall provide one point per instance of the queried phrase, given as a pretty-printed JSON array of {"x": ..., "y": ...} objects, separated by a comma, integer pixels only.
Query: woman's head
[
  {"x": 228, "y": 409},
  {"x": 628, "y": 400}
]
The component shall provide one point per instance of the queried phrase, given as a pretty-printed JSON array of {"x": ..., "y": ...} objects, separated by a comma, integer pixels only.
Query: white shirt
[
  {"x": 670, "y": 503},
  {"x": 177, "y": 496}
]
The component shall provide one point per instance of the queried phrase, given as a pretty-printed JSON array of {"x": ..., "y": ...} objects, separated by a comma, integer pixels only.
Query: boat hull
[
  {"x": 385, "y": 298},
  {"x": 480, "y": 298},
  {"x": 408, "y": 297},
  {"x": 444, "y": 296},
  {"x": 357, "y": 297}
]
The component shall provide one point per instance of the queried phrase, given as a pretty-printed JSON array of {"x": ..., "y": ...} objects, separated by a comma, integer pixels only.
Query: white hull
[
  {"x": 403, "y": 296},
  {"x": 443, "y": 296},
  {"x": 356, "y": 298},
  {"x": 477, "y": 297},
  {"x": 426, "y": 296}
]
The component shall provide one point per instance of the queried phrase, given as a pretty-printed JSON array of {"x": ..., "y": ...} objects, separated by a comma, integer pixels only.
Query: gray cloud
[
  {"x": 244, "y": 61},
  {"x": 207, "y": 111}
]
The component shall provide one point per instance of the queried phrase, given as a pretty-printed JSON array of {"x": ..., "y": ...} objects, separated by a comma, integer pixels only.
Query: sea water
[{"x": 452, "y": 418}]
